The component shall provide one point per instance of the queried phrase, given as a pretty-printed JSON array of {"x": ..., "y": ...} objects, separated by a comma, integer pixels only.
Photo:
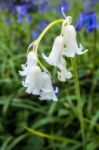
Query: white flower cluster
[
  {"x": 64, "y": 45},
  {"x": 39, "y": 82}
]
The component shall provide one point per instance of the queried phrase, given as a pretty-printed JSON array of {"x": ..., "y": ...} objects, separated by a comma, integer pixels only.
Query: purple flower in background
[
  {"x": 22, "y": 10},
  {"x": 28, "y": 18},
  {"x": 8, "y": 20},
  {"x": 91, "y": 22},
  {"x": 89, "y": 19},
  {"x": 80, "y": 21},
  {"x": 43, "y": 7},
  {"x": 12, "y": 9},
  {"x": 20, "y": 18},
  {"x": 64, "y": 4},
  {"x": 43, "y": 24},
  {"x": 35, "y": 2},
  {"x": 35, "y": 34},
  {"x": 3, "y": 5}
]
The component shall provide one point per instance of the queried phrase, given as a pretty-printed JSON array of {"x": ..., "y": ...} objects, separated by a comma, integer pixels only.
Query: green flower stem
[
  {"x": 79, "y": 105},
  {"x": 46, "y": 30}
]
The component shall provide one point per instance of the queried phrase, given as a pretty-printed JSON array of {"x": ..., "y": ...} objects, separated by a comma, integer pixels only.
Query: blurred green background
[{"x": 21, "y": 22}]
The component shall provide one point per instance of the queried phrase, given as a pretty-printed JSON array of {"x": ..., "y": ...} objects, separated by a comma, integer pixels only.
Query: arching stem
[{"x": 42, "y": 35}]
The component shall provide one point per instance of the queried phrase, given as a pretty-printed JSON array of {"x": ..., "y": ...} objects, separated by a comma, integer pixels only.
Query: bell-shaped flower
[
  {"x": 31, "y": 61},
  {"x": 55, "y": 55},
  {"x": 33, "y": 80},
  {"x": 47, "y": 91},
  {"x": 32, "y": 74},
  {"x": 56, "y": 59},
  {"x": 37, "y": 82},
  {"x": 70, "y": 42}
]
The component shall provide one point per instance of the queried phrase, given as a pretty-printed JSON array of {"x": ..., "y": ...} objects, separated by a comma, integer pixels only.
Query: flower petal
[
  {"x": 22, "y": 73},
  {"x": 64, "y": 74},
  {"x": 55, "y": 55},
  {"x": 47, "y": 91},
  {"x": 80, "y": 50},
  {"x": 70, "y": 42}
]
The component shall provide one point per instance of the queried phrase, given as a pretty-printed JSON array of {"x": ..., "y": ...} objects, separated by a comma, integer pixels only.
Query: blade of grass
[{"x": 48, "y": 136}]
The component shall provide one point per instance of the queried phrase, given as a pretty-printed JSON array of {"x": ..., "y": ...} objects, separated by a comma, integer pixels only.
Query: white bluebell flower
[
  {"x": 33, "y": 81},
  {"x": 37, "y": 82},
  {"x": 31, "y": 61},
  {"x": 70, "y": 42},
  {"x": 56, "y": 59},
  {"x": 47, "y": 90},
  {"x": 55, "y": 56},
  {"x": 32, "y": 74}
]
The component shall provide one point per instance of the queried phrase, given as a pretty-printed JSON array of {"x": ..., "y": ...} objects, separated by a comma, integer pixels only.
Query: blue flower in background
[
  {"x": 28, "y": 18},
  {"x": 89, "y": 19},
  {"x": 80, "y": 21},
  {"x": 64, "y": 4},
  {"x": 43, "y": 6},
  {"x": 21, "y": 9},
  {"x": 3, "y": 5},
  {"x": 20, "y": 18},
  {"x": 12, "y": 8},
  {"x": 35, "y": 2},
  {"x": 35, "y": 34},
  {"x": 43, "y": 24},
  {"x": 91, "y": 22},
  {"x": 8, "y": 20}
]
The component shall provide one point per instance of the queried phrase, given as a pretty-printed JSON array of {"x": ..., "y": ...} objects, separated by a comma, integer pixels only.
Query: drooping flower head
[
  {"x": 56, "y": 53},
  {"x": 33, "y": 81},
  {"x": 56, "y": 58},
  {"x": 70, "y": 41},
  {"x": 47, "y": 91},
  {"x": 31, "y": 61},
  {"x": 37, "y": 82}
]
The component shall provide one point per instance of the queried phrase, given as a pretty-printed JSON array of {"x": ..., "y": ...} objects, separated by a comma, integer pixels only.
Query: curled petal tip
[
  {"x": 22, "y": 73},
  {"x": 82, "y": 52}
]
